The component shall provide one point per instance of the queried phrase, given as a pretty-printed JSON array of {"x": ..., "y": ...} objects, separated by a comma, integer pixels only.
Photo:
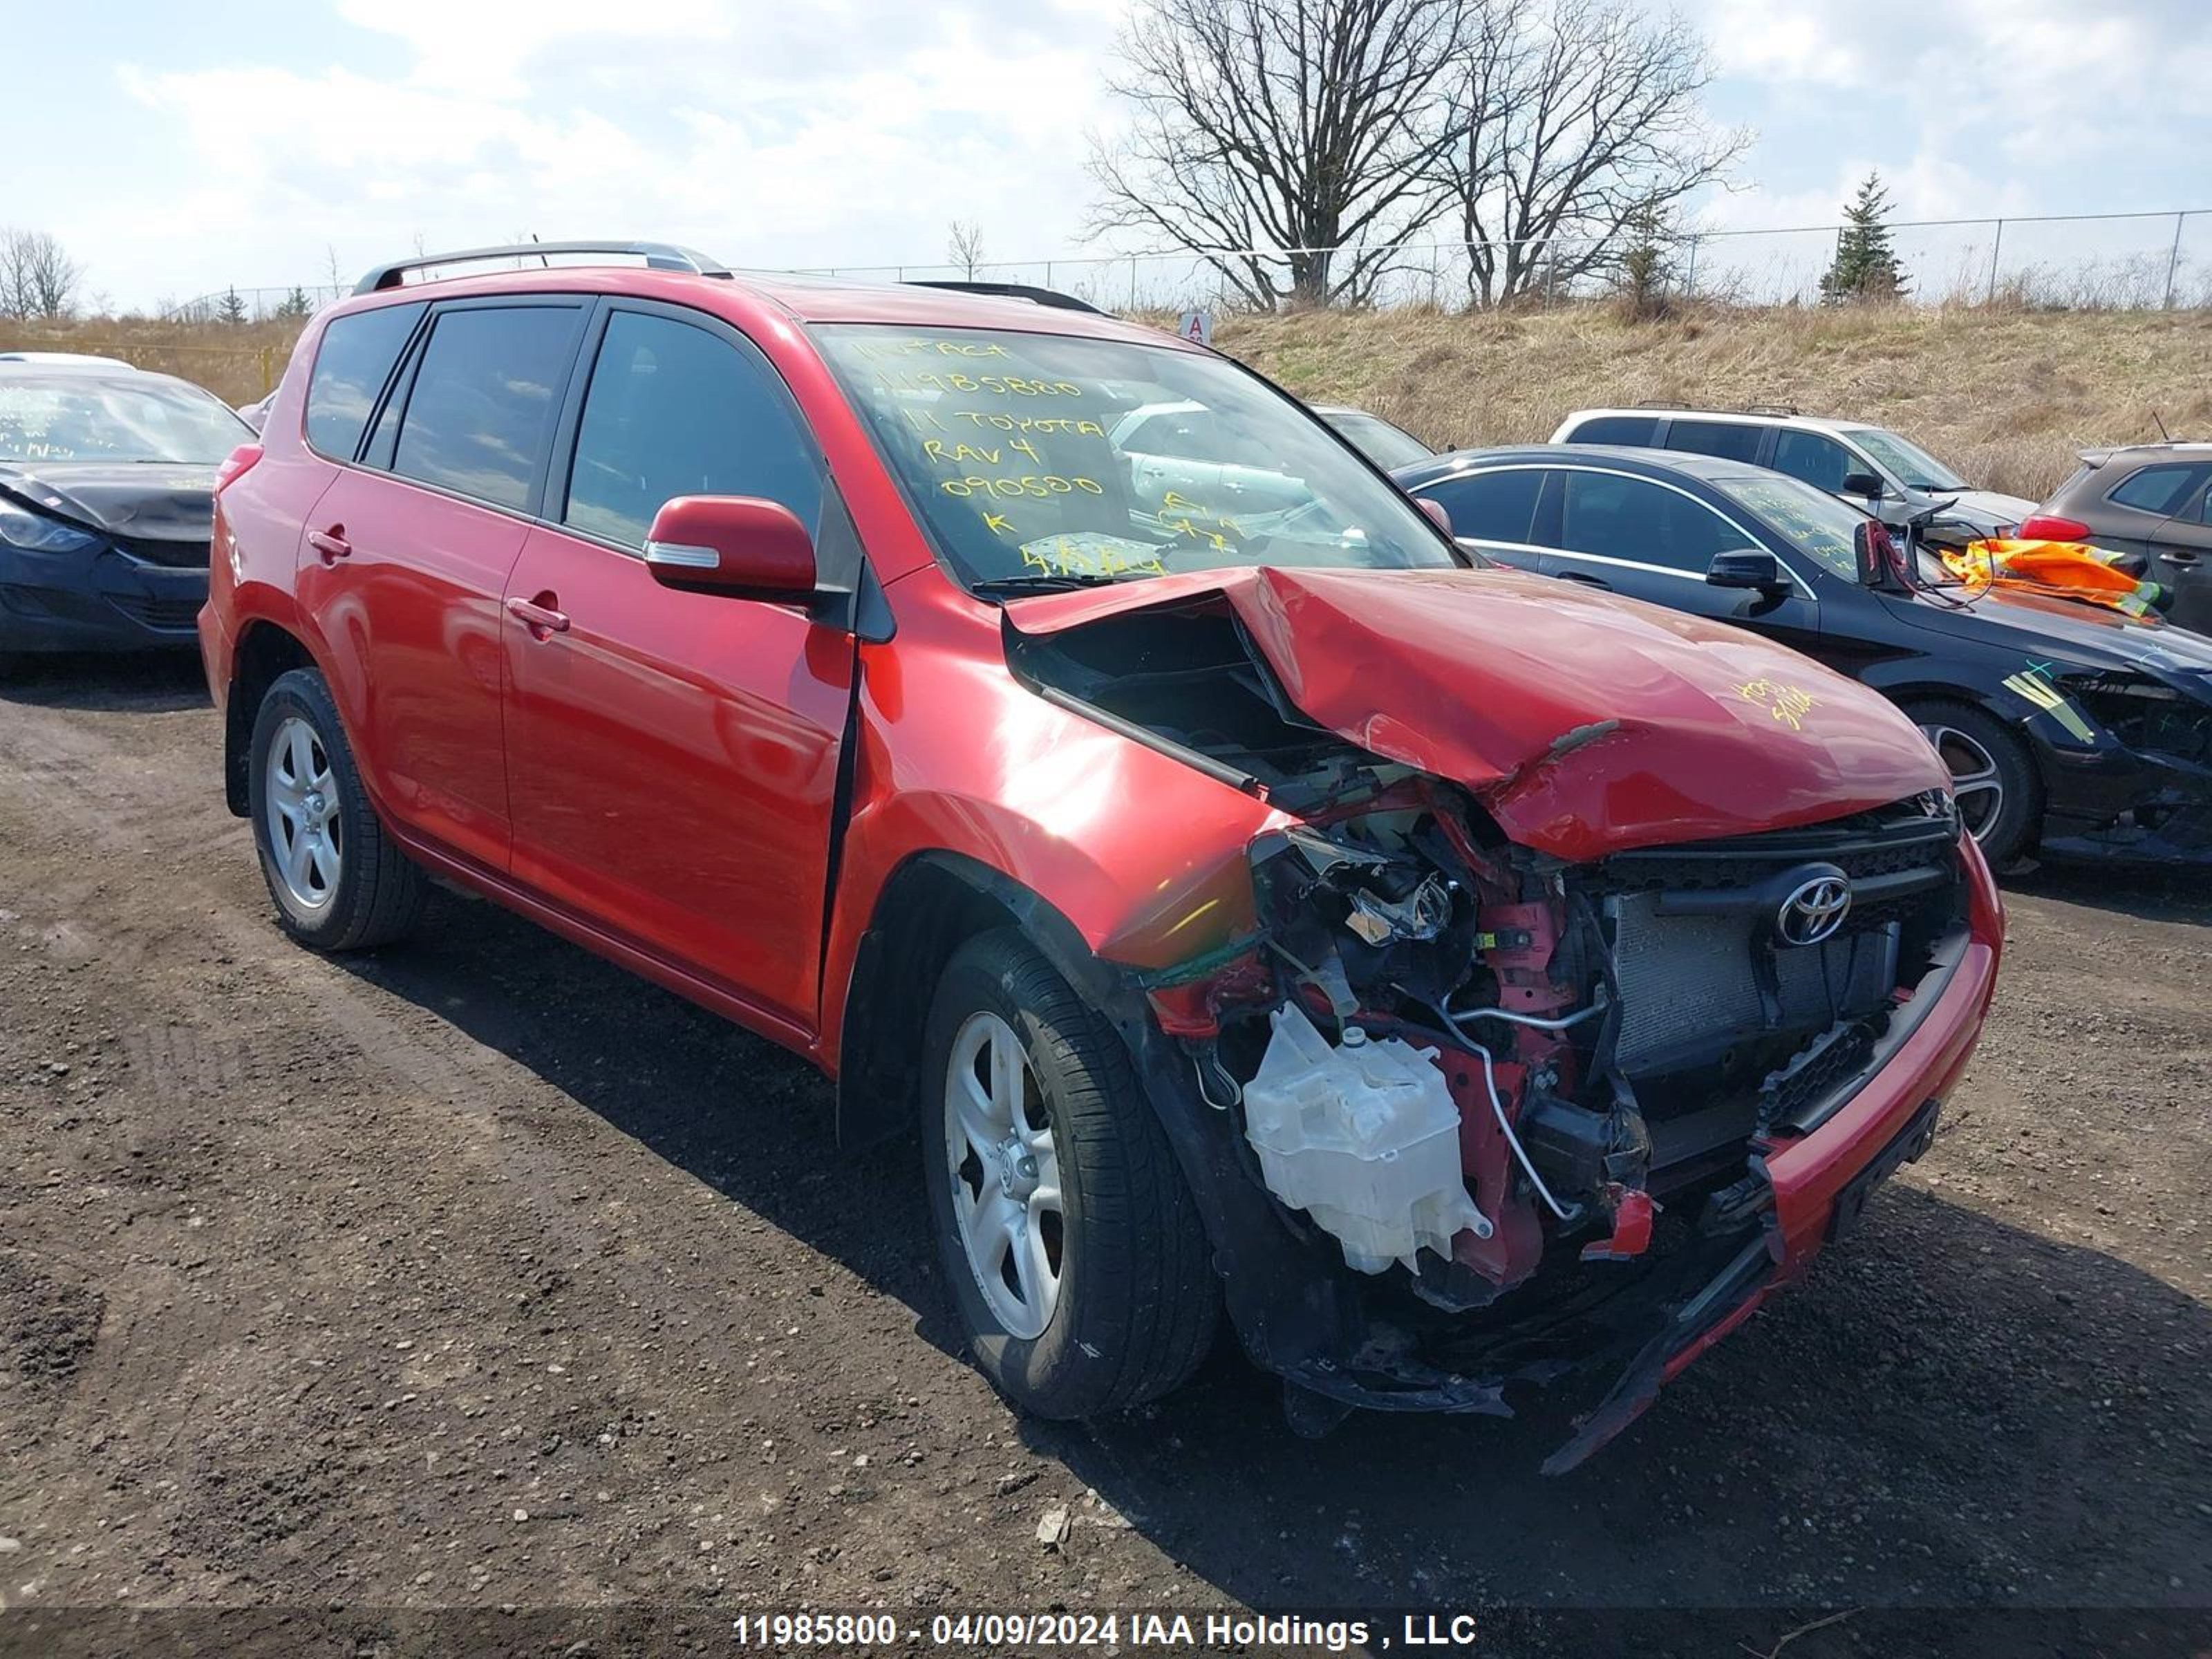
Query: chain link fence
[{"x": 2119, "y": 262}]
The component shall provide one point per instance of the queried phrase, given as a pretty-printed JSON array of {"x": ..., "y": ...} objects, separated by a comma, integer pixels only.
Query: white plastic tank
[{"x": 1365, "y": 1138}]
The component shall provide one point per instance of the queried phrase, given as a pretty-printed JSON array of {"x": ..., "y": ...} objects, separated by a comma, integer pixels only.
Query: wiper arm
[{"x": 1059, "y": 582}]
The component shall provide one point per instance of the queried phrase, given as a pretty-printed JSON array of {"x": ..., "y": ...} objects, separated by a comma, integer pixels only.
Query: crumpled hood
[
  {"x": 1585, "y": 723},
  {"x": 158, "y": 501}
]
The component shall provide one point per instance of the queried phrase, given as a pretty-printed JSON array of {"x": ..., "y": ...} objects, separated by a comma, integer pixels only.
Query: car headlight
[{"x": 36, "y": 534}]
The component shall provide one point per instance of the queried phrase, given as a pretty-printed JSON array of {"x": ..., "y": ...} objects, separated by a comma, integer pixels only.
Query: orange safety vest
[{"x": 2066, "y": 570}]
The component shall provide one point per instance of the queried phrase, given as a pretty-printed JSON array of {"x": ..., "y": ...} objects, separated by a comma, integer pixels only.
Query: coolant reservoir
[{"x": 1365, "y": 1138}]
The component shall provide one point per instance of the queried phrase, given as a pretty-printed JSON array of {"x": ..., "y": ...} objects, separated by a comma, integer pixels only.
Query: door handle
[
  {"x": 330, "y": 543},
  {"x": 542, "y": 620},
  {"x": 2177, "y": 557},
  {"x": 1587, "y": 581}
]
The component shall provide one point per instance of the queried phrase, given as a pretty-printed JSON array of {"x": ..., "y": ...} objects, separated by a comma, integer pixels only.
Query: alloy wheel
[
  {"x": 305, "y": 831},
  {"x": 1975, "y": 783},
  {"x": 1005, "y": 1171}
]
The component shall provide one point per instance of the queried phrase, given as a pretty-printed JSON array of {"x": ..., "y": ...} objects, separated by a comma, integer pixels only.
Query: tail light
[
  {"x": 240, "y": 464},
  {"x": 2049, "y": 527}
]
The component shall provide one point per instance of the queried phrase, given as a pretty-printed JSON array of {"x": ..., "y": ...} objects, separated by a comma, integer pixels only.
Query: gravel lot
[{"x": 478, "y": 1274}]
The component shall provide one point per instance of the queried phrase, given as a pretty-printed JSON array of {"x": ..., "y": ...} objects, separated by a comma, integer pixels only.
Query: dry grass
[
  {"x": 2004, "y": 394},
  {"x": 236, "y": 361}
]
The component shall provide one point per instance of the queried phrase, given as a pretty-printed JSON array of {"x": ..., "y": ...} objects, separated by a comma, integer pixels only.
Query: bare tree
[
  {"x": 1269, "y": 134},
  {"x": 37, "y": 276},
  {"x": 1573, "y": 122},
  {"x": 963, "y": 247}
]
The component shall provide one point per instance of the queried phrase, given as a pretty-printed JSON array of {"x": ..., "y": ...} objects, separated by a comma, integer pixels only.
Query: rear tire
[
  {"x": 338, "y": 881},
  {"x": 1999, "y": 792},
  {"x": 1106, "y": 1298}
]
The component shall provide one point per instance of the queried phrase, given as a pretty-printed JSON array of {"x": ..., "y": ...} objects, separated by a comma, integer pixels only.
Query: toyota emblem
[{"x": 1814, "y": 910}]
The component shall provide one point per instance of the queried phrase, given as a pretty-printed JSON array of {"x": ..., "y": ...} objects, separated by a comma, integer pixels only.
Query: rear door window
[
  {"x": 480, "y": 413},
  {"x": 1637, "y": 431},
  {"x": 1734, "y": 440},
  {"x": 1497, "y": 505},
  {"x": 1819, "y": 460},
  {"x": 351, "y": 365},
  {"x": 676, "y": 410},
  {"x": 2159, "y": 489},
  {"x": 1619, "y": 518}
]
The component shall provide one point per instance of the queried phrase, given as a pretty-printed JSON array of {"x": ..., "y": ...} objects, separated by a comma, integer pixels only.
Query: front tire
[
  {"x": 1077, "y": 1261},
  {"x": 338, "y": 881},
  {"x": 1992, "y": 775}
]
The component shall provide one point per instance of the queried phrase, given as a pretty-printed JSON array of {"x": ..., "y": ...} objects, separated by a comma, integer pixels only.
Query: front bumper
[
  {"x": 2134, "y": 805},
  {"x": 102, "y": 600}
]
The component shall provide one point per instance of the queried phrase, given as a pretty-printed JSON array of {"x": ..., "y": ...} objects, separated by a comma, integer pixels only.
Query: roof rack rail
[
  {"x": 658, "y": 256},
  {"x": 1772, "y": 408},
  {"x": 1043, "y": 296},
  {"x": 1663, "y": 402}
]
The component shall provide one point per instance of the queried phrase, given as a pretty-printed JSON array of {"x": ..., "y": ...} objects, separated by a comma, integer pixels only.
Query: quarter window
[
  {"x": 351, "y": 365},
  {"x": 1734, "y": 440},
  {"x": 674, "y": 410},
  {"x": 1490, "y": 507},
  {"x": 1618, "y": 518},
  {"x": 481, "y": 412},
  {"x": 2159, "y": 489},
  {"x": 1821, "y": 461},
  {"x": 1637, "y": 431}
]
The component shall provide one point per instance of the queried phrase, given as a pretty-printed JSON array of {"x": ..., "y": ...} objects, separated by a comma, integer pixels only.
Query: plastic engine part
[{"x": 1365, "y": 1138}]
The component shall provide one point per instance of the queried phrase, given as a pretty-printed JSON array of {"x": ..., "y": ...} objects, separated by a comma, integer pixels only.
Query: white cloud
[{"x": 755, "y": 143}]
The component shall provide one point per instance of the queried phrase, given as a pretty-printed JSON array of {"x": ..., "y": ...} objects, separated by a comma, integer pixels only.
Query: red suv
[{"x": 1088, "y": 759}]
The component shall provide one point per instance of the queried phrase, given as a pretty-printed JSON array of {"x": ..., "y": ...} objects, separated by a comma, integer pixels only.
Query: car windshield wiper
[{"x": 1055, "y": 582}]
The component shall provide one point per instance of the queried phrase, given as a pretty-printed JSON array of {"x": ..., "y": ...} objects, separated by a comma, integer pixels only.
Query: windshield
[
  {"x": 1815, "y": 522},
  {"x": 86, "y": 417},
  {"x": 1381, "y": 442},
  {"x": 1042, "y": 460},
  {"x": 1908, "y": 462}
]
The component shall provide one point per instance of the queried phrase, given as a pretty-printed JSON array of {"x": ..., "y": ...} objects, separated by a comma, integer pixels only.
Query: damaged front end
[{"x": 1510, "y": 1110}]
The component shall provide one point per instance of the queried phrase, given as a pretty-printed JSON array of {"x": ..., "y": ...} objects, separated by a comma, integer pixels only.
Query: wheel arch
[
  {"x": 265, "y": 651},
  {"x": 1288, "y": 1305},
  {"x": 934, "y": 902}
]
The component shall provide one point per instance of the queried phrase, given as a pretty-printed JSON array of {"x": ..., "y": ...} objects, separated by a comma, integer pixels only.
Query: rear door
[
  {"x": 673, "y": 757},
  {"x": 1655, "y": 541},
  {"x": 2181, "y": 556},
  {"x": 407, "y": 555}
]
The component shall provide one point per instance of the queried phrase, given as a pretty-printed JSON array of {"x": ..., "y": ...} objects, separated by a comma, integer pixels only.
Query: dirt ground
[{"x": 477, "y": 1274}]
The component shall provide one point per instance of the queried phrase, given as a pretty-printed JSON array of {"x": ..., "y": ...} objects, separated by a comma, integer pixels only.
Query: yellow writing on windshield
[
  {"x": 922, "y": 346},
  {"x": 1032, "y": 484},
  {"x": 1064, "y": 558}
]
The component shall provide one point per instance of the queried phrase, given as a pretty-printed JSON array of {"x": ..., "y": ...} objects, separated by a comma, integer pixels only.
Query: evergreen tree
[
  {"x": 295, "y": 306},
  {"x": 233, "y": 309},
  {"x": 1866, "y": 265}
]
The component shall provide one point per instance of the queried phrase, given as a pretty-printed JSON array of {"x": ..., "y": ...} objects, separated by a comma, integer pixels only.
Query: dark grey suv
[{"x": 2151, "y": 499}]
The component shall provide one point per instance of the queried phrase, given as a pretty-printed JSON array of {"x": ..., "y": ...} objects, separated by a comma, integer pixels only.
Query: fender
[{"x": 1293, "y": 1307}]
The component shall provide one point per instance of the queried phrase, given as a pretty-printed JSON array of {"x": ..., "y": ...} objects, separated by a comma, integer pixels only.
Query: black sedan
[
  {"x": 106, "y": 494},
  {"x": 2068, "y": 728}
]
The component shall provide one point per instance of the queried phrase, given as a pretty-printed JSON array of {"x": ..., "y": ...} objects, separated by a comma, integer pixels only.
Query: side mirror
[
  {"x": 1436, "y": 510},
  {"x": 1752, "y": 567},
  {"x": 730, "y": 544},
  {"x": 1876, "y": 552},
  {"x": 1869, "y": 484}
]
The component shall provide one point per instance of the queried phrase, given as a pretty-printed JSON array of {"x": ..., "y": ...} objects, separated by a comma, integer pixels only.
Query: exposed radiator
[{"x": 1689, "y": 985}]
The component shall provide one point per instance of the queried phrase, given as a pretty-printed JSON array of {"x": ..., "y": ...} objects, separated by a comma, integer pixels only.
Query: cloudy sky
[{"x": 176, "y": 150}]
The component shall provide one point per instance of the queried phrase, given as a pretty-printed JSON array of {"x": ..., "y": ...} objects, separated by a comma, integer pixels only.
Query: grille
[
  {"x": 1689, "y": 985},
  {"x": 157, "y": 613},
  {"x": 175, "y": 555}
]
